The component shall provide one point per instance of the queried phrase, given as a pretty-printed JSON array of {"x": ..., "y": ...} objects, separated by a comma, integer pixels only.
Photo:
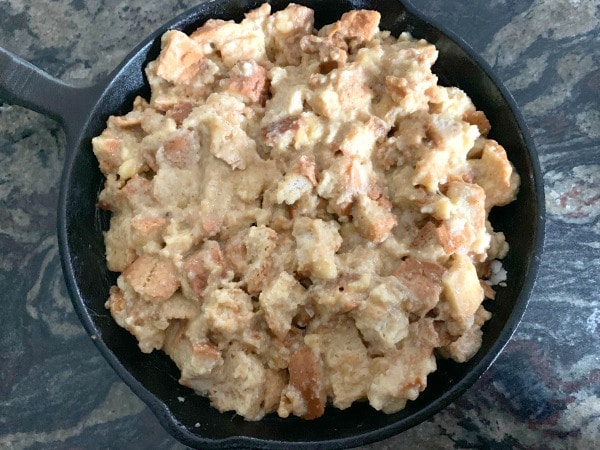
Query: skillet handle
[{"x": 24, "y": 84}]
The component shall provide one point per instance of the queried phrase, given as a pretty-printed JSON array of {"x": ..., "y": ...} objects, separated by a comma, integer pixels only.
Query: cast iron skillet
[{"x": 83, "y": 113}]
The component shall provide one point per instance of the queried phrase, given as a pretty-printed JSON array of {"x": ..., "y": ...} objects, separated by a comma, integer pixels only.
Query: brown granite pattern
[{"x": 543, "y": 392}]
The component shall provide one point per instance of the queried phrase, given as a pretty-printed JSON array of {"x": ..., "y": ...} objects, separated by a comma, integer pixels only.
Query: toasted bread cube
[
  {"x": 299, "y": 180},
  {"x": 373, "y": 220},
  {"x": 495, "y": 174},
  {"x": 108, "y": 151},
  {"x": 360, "y": 24},
  {"x": 467, "y": 345},
  {"x": 380, "y": 318},
  {"x": 401, "y": 375},
  {"x": 249, "y": 80},
  {"x": 180, "y": 150},
  {"x": 461, "y": 288},
  {"x": 152, "y": 277},
  {"x": 195, "y": 358},
  {"x": 203, "y": 267},
  {"x": 178, "y": 57},
  {"x": 280, "y": 301},
  {"x": 286, "y": 29},
  {"x": 465, "y": 229},
  {"x": 306, "y": 382},
  {"x": 345, "y": 360},
  {"x": 423, "y": 282},
  {"x": 241, "y": 385},
  {"x": 228, "y": 311},
  {"x": 317, "y": 241}
]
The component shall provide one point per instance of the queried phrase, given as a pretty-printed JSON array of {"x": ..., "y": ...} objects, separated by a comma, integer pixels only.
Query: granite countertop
[{"x": 56, "y": 391}]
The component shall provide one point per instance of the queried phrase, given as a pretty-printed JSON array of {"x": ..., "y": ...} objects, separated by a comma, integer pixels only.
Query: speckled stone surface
[{"x": 56, "y": 391}]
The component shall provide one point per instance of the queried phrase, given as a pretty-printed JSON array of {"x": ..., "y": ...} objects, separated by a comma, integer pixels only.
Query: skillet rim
[{"x": 75, "y": 140}]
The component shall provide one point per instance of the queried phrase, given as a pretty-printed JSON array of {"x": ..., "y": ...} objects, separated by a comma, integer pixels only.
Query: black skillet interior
[{"x": 154, "y": 377}]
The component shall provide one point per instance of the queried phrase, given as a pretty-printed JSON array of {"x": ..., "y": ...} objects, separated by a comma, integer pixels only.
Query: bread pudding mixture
[{"x": 299, "y": 216}]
